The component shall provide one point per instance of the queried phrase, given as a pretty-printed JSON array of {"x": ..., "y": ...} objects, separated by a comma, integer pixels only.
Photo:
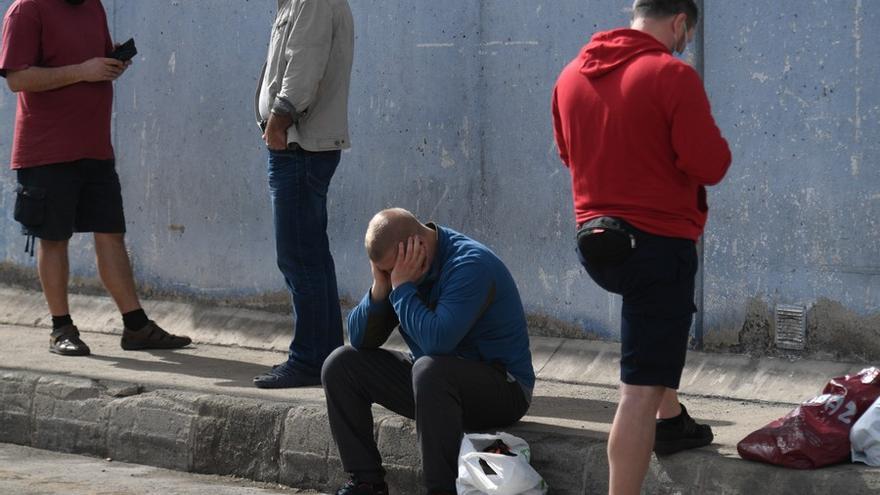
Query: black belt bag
[{"x": 607, "y": 240}]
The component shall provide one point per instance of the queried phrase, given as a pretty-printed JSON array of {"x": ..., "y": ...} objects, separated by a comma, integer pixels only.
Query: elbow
[
  {"x": 361, "y": 342},
  {"x": 438, "y": 349},
  {"x": 298, "y": 97},
  {"x": 14, "y": 86},
  {"x": 722, "y": 163},
  {"x": 720, "y": 169},
  {"x": 356, "y": 339},
  {"x": 13, "y": 80},
  {"x": 710, "y": 170},
  {"x": 712, "y": 179}
]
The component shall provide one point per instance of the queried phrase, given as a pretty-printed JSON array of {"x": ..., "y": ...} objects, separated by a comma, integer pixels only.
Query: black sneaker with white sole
[{"x": 681, "y": 433}]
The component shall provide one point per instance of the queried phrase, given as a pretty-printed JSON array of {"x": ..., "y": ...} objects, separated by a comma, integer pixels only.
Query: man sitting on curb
[{"x": 459, "y": 311}]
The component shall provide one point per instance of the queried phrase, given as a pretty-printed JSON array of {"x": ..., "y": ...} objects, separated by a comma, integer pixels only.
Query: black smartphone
[{"x": 125, "y": 51}]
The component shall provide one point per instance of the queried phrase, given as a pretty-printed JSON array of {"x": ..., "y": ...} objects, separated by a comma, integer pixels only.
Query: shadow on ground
[{"x": 230, "y": 373}]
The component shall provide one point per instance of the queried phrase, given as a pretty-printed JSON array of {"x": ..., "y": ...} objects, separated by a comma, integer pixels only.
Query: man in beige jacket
[{"x": 302, "y": 107}]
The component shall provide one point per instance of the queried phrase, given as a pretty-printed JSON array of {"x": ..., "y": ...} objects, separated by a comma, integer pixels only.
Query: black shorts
[
  {"x": 54, "y": 201},
  {"x": 657, "y": 284}
]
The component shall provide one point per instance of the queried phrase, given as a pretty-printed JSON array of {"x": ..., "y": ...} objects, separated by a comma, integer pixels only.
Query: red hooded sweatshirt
[{"x": 634, "y": 127}]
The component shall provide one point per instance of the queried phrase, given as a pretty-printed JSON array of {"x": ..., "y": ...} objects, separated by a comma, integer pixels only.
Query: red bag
[{"x": 816, "y": 434}]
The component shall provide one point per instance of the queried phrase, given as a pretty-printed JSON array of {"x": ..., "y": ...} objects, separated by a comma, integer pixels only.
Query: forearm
[
  {"x": 370, "y": 324},
  {"x": 435, "y": 332},
  {"x": 37, "y": 79},
  {"x": 279, "y": 122}
]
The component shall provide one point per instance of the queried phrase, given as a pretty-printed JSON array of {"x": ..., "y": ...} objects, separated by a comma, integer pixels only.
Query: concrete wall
[
  {"x": 796, "y": 88},
  {"x": 450, "y": 118}
]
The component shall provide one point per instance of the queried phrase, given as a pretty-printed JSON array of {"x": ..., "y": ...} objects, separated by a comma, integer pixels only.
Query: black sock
[
  {"x": 60, "y": 321},
  {"x": 135, "y": 320}
]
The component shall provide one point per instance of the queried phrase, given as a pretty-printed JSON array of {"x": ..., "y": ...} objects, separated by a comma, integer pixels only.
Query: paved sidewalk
[
  {"x": 27, "y": 471},
  {"x": 774, "y": 380},
  {"x": 196, "y": 410},
  {"x": 579, "y": 409}
]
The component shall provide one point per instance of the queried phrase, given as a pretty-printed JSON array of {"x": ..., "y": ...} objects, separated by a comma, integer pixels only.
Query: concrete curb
[
  {"x": 291, "y": 443},
  {"x": 732, "y": 376}
]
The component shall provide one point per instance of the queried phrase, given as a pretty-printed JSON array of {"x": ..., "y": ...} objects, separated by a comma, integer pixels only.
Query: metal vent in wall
[{"x": 791, "y": 327}]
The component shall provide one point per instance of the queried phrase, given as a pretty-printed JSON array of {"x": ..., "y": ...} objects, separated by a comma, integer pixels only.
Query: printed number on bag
[{"x": 834, "y": 404}]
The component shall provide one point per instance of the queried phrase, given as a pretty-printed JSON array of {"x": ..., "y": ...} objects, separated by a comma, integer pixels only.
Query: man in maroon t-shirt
[
  {"x": 55, "y": 56},
  {"x": 634, "y": 127}
]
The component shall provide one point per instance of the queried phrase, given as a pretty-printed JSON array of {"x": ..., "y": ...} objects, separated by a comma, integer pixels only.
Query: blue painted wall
[
  {"x": 795, "y": 86},
  {"x": 450, "y": 118}
]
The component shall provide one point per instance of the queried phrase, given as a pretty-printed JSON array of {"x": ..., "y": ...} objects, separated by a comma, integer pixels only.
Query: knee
[
  {"x": 429, "y": 375},
  {"x": 53, "y": 246},
  {"x": 299, "y": 265},
  {"x": 641, "y": 400},
  {"x": 336, "y": 364},
  {"x": 115, "y": 240}
]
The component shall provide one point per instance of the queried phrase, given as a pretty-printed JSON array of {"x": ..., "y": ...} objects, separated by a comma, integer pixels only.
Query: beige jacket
[{"x": 308, "y": 71}]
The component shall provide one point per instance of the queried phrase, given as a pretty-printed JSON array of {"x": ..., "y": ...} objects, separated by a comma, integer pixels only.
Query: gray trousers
[{"x": 445, "y": 395}]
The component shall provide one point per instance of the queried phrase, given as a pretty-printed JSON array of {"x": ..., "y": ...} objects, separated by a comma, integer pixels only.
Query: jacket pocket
[{"x": 30, "y": 206}]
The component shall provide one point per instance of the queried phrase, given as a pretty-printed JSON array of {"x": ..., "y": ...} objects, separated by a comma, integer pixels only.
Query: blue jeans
[{"x": 298, "y": 182}]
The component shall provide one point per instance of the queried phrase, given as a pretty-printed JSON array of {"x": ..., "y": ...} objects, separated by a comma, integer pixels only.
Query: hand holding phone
[{"x": 125, "y": 51}]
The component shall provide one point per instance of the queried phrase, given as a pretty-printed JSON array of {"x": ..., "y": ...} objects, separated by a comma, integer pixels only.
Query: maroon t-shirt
[{"x": 69, "y": 123}]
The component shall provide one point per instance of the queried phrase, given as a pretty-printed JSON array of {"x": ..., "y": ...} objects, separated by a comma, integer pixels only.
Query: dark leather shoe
[
  {"x": 66, "y": 342},
  {"x": 284, "y": 376},
  {"x": 152, "y": 336},
  {"x": 354, "y": 487}
]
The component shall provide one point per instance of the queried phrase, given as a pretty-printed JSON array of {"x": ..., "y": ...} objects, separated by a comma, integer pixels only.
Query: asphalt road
[{"x": 27, "y": 471}]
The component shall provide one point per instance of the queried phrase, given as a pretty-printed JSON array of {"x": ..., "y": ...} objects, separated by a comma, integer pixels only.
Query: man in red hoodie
[{"x": 634, "y": 127}]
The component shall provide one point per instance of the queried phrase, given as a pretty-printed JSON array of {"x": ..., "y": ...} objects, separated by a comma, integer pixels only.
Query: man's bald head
[{"x": 387, "y": 229}]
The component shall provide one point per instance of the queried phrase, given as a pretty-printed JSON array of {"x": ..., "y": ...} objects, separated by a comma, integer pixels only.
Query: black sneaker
[
  {"x": 355, "y": 487},
  {"x": 151, "y": 336},
  {"x": 66, "y": 342},
  {"x": 681, "y": 433}
]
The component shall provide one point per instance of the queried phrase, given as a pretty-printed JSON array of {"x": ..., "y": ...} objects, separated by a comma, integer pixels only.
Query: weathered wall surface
[
  {"x": 450, "y": 118},
  {"x": 796, "y": 88}
]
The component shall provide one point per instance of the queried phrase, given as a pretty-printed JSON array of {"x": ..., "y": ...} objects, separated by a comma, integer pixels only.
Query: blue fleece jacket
[{"x": 466, "y": 306}]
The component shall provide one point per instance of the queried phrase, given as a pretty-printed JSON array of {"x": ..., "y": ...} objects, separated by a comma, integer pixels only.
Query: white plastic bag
[
  {"x": 515, "y": 476},
  {"x": 865, "y": 437}
]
